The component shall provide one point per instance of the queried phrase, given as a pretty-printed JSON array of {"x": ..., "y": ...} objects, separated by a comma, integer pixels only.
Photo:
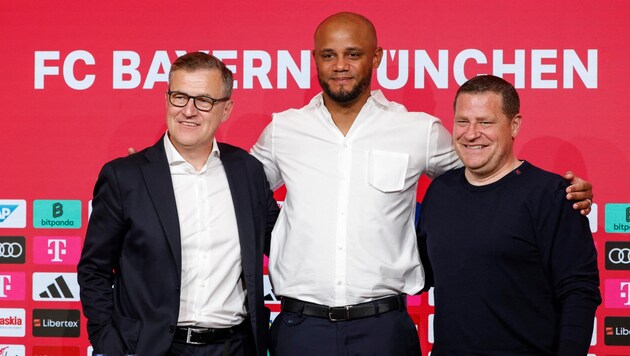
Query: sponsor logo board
[
  {"x": 56, "y": 322},
  {"x": 12, "y": 213},
  {"x": 12, "y": 250},
  {"x": 57, "y": 214}
]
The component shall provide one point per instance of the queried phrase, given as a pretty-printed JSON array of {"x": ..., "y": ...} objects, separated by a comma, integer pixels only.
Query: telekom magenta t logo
[
  {"x": 57, "y": 250},
  {"x": 618, "y": 293},
  {"x": 625, "y": 292},
  {"x": 5, "y": 285},
  {"x": 12, "y": 286}
]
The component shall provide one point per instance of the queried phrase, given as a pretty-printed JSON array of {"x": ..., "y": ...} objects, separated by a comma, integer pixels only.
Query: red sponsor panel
[{"x": 56, "y": 351}]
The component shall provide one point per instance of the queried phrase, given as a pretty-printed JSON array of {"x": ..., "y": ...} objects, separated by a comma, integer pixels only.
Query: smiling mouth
[
  {"x": 474, "y": 147},
  {"x": 189, "y": 124}
]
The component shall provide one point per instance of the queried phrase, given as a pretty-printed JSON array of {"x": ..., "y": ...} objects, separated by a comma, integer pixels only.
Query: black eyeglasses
[{"x": 202, "y": 103}]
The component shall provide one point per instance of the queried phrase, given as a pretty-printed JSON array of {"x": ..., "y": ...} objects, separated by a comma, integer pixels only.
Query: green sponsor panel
[
  {"x": 618, "y": 218},
  {"x": 57, "y": 214}
]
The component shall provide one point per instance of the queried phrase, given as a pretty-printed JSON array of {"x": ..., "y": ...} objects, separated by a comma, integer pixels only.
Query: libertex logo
[
  {"x": 12, "y": 213},
  {"x": 56, "y": 322},
  {"x": 56, "y": 250},
  {"x": 617, "y": 331}
]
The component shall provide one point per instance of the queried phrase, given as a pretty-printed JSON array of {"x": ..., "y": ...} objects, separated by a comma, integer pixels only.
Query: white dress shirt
[
  {"x": 346, "y": 232},
  {"x": 212, "y": 294}
]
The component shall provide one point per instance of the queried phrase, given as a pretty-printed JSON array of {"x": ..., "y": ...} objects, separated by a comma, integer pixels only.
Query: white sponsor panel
[
  {"x": 592, "y": 218},
  {"x": 430, "y": 329},
  {"x": 55, "y": 287},
  {"x": 270, "y": 298},
  {"x": 12, "y": 322},
  {"x": 12, "y": 350},
  {"x": 12, "y": 213}
]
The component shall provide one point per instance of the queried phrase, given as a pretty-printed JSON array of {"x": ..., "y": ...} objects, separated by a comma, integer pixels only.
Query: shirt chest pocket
[{"x": 386, "y": 170}]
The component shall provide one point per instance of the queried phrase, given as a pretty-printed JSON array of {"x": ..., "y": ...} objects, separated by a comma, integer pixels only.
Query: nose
[
  {"x": 472, "y": 131},
  {"x": 190, "y": 109},
  {"x": 341, "y": 64}
]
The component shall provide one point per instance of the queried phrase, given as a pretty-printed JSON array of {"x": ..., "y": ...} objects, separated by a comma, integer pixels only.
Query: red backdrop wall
[{"x": 83, "y": 81}]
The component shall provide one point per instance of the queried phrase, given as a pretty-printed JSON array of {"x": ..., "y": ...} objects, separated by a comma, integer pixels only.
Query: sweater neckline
[{"x": 504, "y": 180}]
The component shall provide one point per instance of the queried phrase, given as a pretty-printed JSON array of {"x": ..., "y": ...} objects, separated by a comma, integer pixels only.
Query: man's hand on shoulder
[{"x": 580, "y": 191}]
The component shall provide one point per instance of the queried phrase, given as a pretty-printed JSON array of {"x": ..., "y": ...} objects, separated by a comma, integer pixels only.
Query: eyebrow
[{"x": 357, "y": 49}]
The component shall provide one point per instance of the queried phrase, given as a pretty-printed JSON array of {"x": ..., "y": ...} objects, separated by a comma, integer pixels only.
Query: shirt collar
[
  {"x": 376, "y": 96},
  {"x": 174, "y": 158}
]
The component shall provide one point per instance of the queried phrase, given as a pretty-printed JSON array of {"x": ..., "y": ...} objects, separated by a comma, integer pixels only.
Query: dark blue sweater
[{"x": 514, "y": 267}]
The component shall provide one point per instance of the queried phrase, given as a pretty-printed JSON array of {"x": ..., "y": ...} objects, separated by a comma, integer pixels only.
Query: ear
[
  {"x": 227, "y": 110},
  {"x": 516, "y": 125},
  {"x": 378, "y": 55}
]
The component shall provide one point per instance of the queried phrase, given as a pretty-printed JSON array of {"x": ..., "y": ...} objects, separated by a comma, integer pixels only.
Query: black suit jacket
[{"x": 133, "y": 244}]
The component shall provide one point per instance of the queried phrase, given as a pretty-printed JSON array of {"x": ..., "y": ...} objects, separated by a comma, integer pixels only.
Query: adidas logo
[{"x": 55, "y": 287}]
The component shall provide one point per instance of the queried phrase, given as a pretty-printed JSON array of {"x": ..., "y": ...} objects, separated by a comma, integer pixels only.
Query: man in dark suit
[{"x": 179, "y": 230}]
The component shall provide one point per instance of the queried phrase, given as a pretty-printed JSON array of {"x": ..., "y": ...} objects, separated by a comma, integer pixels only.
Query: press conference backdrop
[{"x": 82, "y": 81}]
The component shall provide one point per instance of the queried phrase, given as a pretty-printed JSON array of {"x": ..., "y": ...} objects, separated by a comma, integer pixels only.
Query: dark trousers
[
  {"x": 240, "y": 344},
  {"x": 389, "y": 334}
]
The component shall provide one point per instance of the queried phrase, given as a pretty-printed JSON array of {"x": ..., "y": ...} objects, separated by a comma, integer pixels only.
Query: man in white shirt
[
  {"x": 178, "y": 229},
  {"x": 344, "y": 253}
]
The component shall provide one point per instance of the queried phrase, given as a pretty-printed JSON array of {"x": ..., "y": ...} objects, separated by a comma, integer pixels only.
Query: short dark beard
[{"x": 343, "y": 96}]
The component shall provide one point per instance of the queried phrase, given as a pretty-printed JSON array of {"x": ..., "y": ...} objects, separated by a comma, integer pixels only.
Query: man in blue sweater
[{"x": 515, "y": 270}]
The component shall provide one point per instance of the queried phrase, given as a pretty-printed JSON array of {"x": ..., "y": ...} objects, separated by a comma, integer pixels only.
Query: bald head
[{"x": 347, "y": 20}]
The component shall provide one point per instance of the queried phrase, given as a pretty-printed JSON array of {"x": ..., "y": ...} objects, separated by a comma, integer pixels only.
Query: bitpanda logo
[{"x": 57, "y": 214}]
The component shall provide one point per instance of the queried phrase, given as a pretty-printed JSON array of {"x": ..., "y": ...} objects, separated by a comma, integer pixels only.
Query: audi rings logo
[
  {"x": 12, "y": 249},
  {"x": 618, "y": 255}
]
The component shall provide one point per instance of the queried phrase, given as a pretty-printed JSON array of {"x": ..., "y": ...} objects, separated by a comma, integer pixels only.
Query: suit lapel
[
  {"x": 238, "y": 181},
  {"x": 157, "y": 177}
]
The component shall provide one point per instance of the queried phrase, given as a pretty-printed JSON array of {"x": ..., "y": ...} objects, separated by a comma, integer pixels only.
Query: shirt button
[{"x": 339, "y": 283}]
